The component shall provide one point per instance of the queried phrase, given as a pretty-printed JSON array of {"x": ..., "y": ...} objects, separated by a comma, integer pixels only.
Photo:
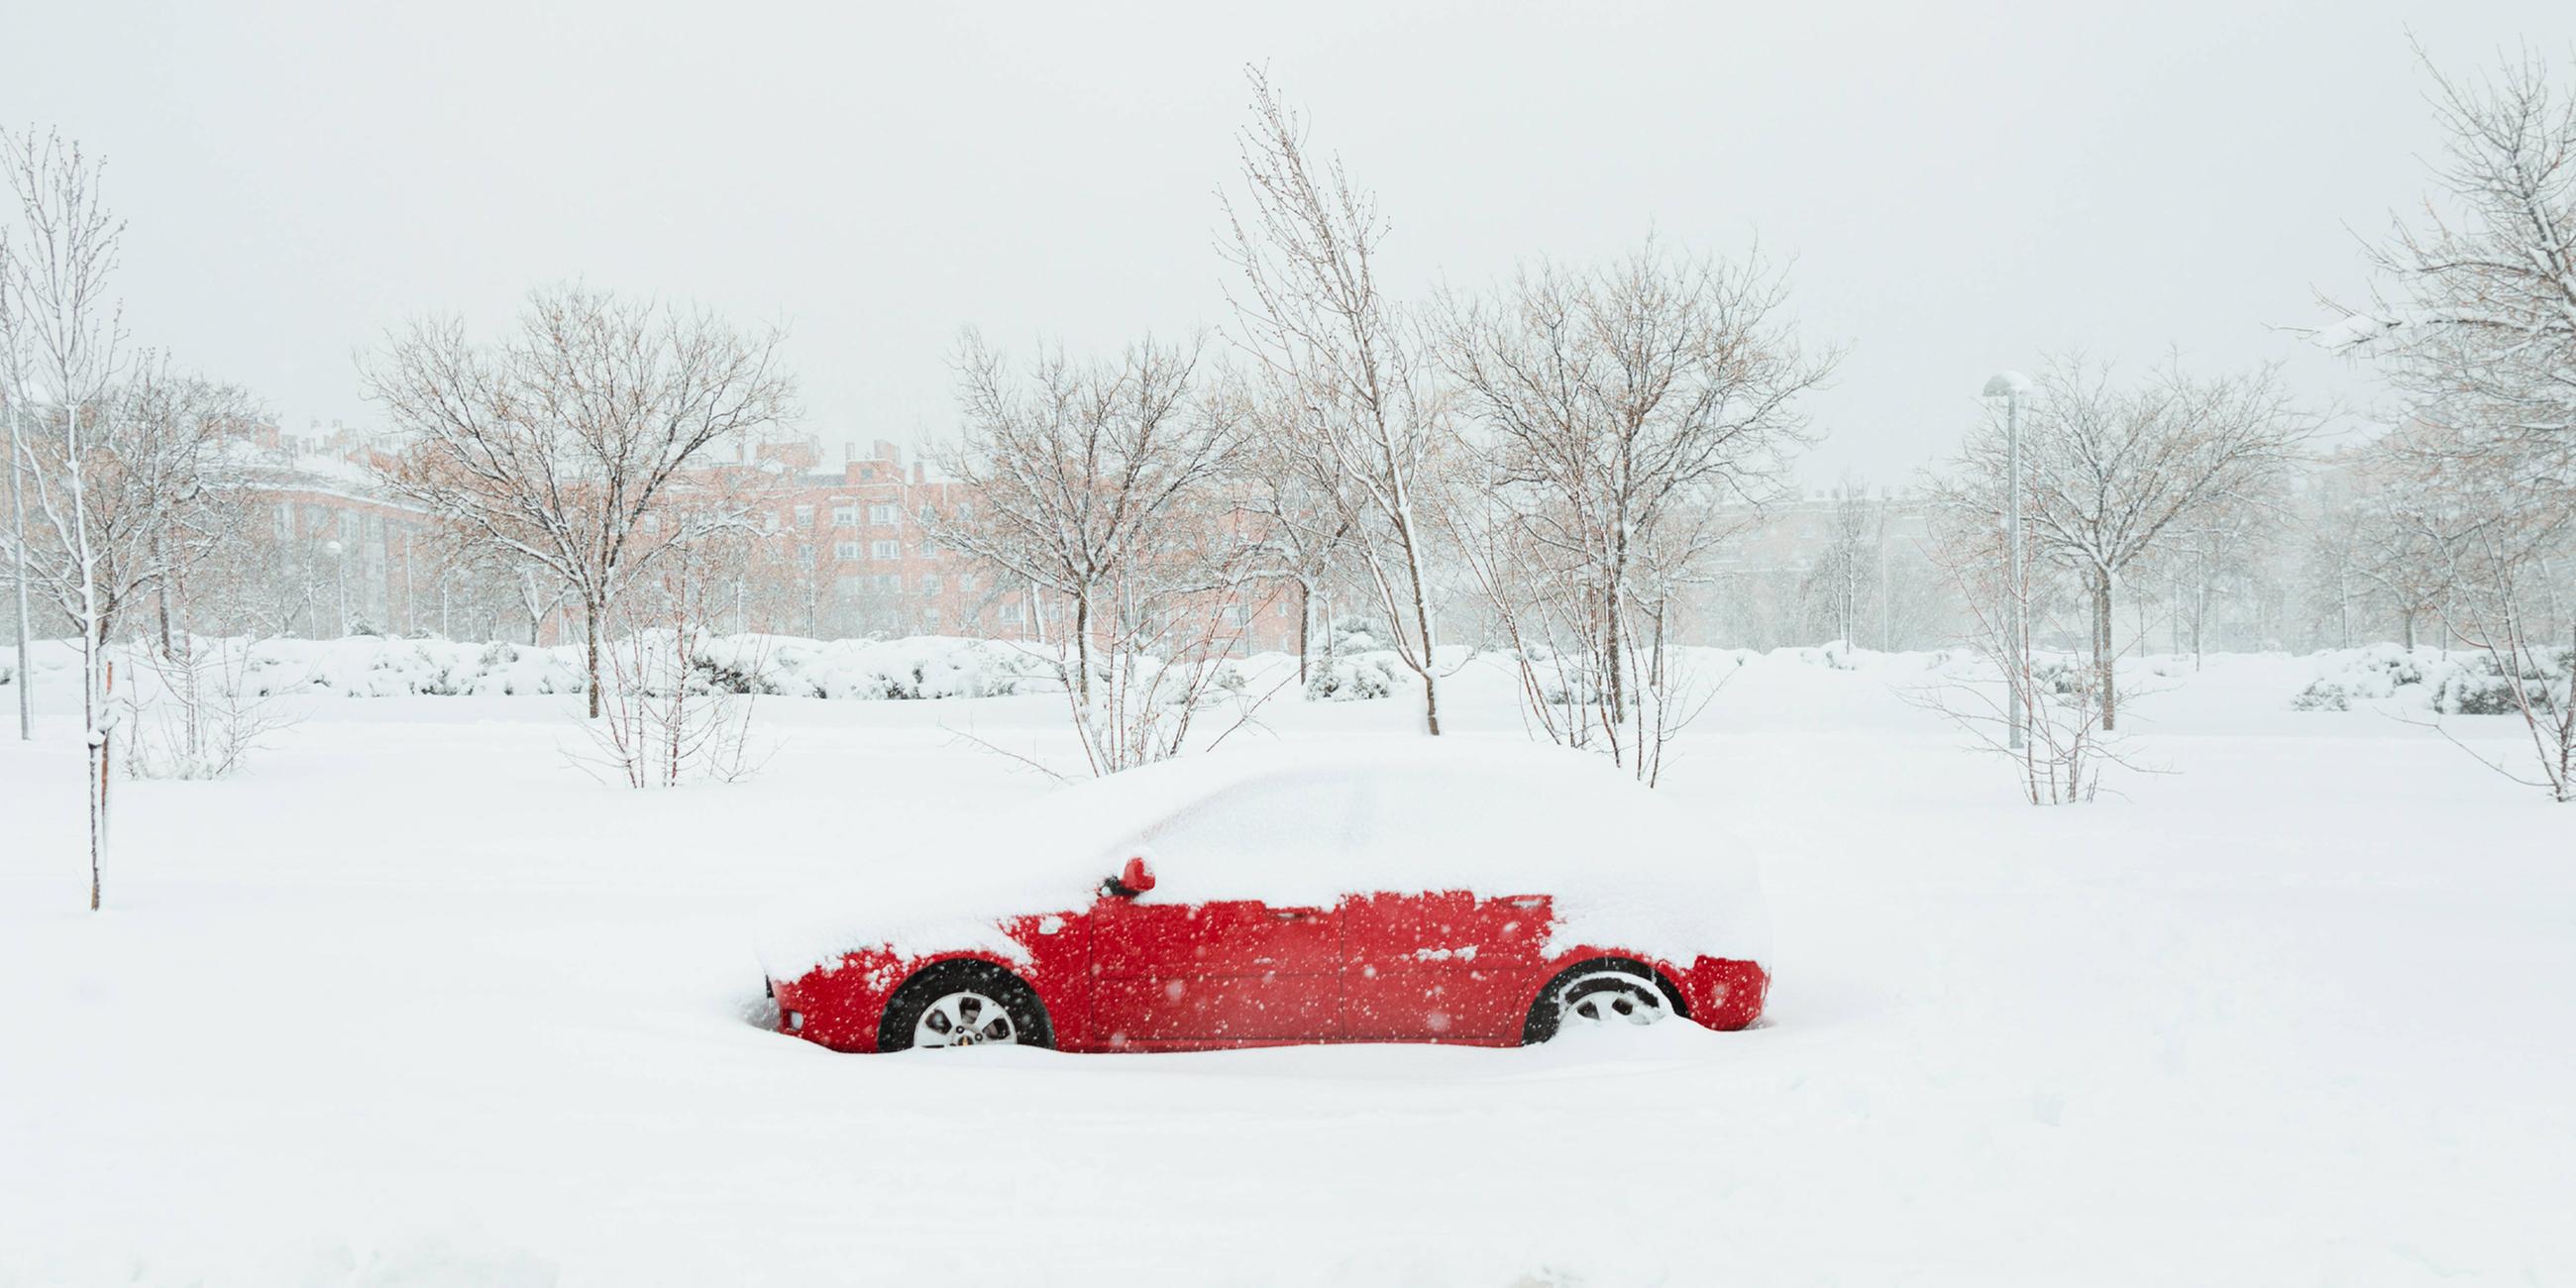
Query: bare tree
[
  {"x": 2057, "y": 709},
  {"x": 155, "y": 491},
  {"x": 72, "y": 336},
  {"x": 2406, "y": 537},
  {"x": 557, "y": 443},
  {"x": 1332, "y": 347},
  {"x": 1101, "y": 483},
  {"x": 1841, "y": 584},
  {"x": 2108, "y": 472},
  {"x": 2208, "y": 556},
  {"x": 1301, "y": 516},
  {"x": 2481, "y": 337},
  {"x": 2504, "y": 537},
  {"x": 197, "y": 710},
  {"x": 1618, "y": 412},
  {"x": 668, "y": 721},
  {"x": 2481, "y": 332}
]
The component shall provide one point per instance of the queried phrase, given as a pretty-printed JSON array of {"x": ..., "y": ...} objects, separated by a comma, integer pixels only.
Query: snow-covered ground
[{"x": 418, "y": 1002}]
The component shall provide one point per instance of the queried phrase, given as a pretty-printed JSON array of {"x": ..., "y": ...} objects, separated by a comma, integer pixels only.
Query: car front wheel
[{"x": 957, "y": 1004}]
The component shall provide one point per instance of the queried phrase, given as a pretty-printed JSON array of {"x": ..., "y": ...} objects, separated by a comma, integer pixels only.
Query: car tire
[
  {"x": 937, "y": 998},
  {"x": 1597, "y": 976}
]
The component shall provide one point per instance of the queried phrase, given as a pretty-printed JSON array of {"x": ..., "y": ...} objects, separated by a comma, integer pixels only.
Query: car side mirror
[{"x": 1134, "y": 879}]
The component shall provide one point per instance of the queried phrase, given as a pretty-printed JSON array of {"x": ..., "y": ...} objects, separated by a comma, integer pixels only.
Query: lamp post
[
  {"x": 340, "y": 565},
  {"x": 2010, "y": 386}
]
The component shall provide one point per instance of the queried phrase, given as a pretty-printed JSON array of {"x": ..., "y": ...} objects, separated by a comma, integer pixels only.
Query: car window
[{"x": 1260, "y": 825}]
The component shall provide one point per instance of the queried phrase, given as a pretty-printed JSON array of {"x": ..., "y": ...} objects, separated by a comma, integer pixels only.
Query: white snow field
[{"x": 415, "y": 1002}]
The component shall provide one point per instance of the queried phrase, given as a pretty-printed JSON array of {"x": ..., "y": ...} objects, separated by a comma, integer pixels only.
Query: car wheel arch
[
  {"x": 963, "y": 970},
  {"x": 1539, "y": 1026}
]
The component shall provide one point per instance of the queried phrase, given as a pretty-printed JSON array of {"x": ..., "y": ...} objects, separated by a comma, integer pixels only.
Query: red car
[{"x": 1408, "y": 892}]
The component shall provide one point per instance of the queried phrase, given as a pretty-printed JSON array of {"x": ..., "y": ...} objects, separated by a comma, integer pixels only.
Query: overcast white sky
[{"x": 1962, "y": 187}]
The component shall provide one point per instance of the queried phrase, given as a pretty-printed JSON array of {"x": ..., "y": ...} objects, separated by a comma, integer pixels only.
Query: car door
[
  {"x": 1439, "y": 965},
  {"x": 1434, "y": 965},
  {"x": 1172, "y": 973}
]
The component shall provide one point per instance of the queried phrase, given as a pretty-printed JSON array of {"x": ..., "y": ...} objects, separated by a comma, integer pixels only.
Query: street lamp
[
  {"x": 340, "y": 563},
  {"x": 2010, "y": 386}
]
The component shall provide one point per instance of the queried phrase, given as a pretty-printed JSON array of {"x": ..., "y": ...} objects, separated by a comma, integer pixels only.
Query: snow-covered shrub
[
  {"x": 2480, "y": 687},
  {"x": 915, "y": 667},
  {"x": 2448, "y": 683},
  {"x": 2475, "y": 690},
  {"x": 1836, "y": 654},
  {"x": 1350, "y": 634},
  {"x": 2066, "y": 677},
  {"x": 661, "y": 723},
  {"x": 1357, "y": 678},
  {"x": 189, "y": 714},
  {"x": 2322, "y": 695}
]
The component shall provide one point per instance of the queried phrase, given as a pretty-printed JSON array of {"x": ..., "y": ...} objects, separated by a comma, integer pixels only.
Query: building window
[
  {"x": 889, "y": 550},
  {"x": 881, "y": 513},
  {"x": 652, "y": 523},
  {"x": 1236, "y": 614},
  {"x": 845, "y": 550},
  {"x": 804, "y": 516},
  {"x": 965, "y": 511},
  {"x": 965, "y": 583},
  {"x": 1014, "y": 614},
  {"x": 286, "y": 518},
  {"x": 930, "y": 583},
  {"x": 930, "y": 615},
  {"x": 845, "y": 516},
  {"x": 889, "y": 584}
]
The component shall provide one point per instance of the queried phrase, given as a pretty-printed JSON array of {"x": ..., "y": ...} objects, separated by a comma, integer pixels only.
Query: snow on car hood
[{"x": 1303, "y": 826}]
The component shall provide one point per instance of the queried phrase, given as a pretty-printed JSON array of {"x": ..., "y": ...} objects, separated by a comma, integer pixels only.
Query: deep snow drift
[{"x": 418, "y": 1002}]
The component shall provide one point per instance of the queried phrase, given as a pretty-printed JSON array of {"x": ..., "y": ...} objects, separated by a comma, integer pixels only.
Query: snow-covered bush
[
  {"x": 661, "y": 722},
  {"x": 187, "y": 713},
  {"x": 2321, "y": 695},
  {"x": 916, "y": 667},
  {"x": 1837, "y": 654},
  {"x": 2452, "y": 683},
  {"x": 1356, "y": 678}
]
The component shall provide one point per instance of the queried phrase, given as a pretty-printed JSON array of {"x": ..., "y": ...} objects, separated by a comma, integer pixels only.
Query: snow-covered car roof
[{"x": 1304, "y": 826}]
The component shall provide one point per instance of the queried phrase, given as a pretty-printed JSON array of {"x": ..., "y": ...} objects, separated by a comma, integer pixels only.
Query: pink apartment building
[{"x": 847, "y": 551}]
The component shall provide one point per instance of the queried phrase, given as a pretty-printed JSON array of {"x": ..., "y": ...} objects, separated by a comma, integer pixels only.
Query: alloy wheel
[{"x": 965, "y": 1018}]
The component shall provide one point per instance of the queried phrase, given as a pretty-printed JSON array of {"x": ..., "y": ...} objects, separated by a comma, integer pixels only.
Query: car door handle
[{"x": 1293, "y": 914}]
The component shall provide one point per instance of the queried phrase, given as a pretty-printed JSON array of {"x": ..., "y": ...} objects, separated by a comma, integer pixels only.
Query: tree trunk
[
  {"x": 1422, "y": 624},
  {"x": 1613, "y": 672},
  {"x": 590, "y": 610},
  {"x": 1430, "y": 703},
  {"x": 2102, "y": 652},
  {"x": 1305, "y": 629},
  {"x": 1081, "y": 650}
]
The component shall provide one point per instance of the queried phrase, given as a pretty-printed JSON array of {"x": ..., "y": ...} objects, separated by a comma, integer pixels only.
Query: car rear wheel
[
  {"x": 1602, "y": 992},
  {"x": 956, "y": 1004}
]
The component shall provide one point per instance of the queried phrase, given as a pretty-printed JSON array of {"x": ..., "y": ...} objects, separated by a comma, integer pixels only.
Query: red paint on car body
[{"x": 1129, "y": 975}]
